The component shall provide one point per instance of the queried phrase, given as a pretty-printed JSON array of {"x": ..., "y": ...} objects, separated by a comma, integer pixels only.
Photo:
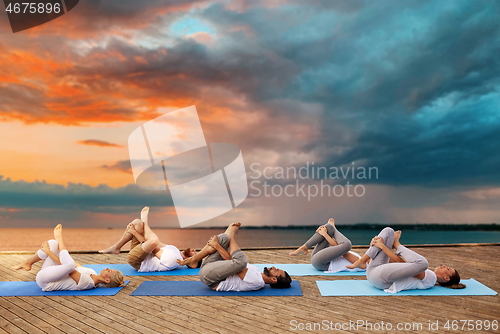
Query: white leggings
[{"x": 52, "y": 271}]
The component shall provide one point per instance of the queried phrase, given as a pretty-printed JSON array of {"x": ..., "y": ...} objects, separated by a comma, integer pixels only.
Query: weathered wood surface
[{"x": 126, "y": 314}]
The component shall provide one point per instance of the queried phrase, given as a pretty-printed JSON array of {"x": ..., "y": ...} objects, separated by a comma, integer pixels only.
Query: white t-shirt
[
  {"x": 252, "y": 281},
  {"x": 412, "y": 283},
  {"x": 339, "y": 264},
  {"x": 166, "y": 263},
  {"x": 67, "y": 283}
]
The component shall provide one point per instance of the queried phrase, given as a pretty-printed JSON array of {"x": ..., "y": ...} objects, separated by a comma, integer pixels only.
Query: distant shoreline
[
  {"x": 360, "y": 226},
  {"x": 420, "y": 227},
  {"x": 367, "y": 226}
]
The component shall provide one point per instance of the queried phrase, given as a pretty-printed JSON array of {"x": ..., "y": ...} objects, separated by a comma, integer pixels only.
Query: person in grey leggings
[
  {"x": 403, "y": 270},
  {"x": 215, "y": 269},
  {"x": 224, "y": 259},
  {"x": 330, "y": 245}
]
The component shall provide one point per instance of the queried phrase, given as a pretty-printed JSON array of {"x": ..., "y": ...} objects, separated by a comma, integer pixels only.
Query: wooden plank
[
  {"x": 8, "y": 327},
  {"x": 158, "y": 314},
  {"x": 144, "y": 314},
  {"x": 52, "y": 308},
  {"x": 19, "y": 317},
  {"x": 116, "y": 314},
  {"x": 70, "y": 306},
  {"x": 50, "y": 323},
  {"x": 132, "y": 321},
  {"x": 103, "y": 315}
]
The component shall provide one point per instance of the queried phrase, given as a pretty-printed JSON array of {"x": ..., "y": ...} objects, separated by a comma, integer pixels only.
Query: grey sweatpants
[
  {"x": 215, "y": 269},
  {"x": 381, "y": 273},
  {"x": 324, "y": 253}
]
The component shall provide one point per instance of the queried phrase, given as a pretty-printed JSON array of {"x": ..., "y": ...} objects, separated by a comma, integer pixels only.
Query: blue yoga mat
[
  {"x": 197, "y": 288},
  {"x": 364, "y": 288},
  {"x": 292, "y": 270},
  {"x": 128, "y": 270},
  {"x": 18, "y": 289},
  {"x": 306, "y": 269}
]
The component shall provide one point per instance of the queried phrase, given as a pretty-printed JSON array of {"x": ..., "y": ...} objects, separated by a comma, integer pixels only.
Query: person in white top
[
  {"x": 404, "y": 269},
  {"x": 147, "y": 253},
  {"x": 226, "y": 268},
  {"x": 332, "y": 251},
  {"x": 60, "y": 272}
]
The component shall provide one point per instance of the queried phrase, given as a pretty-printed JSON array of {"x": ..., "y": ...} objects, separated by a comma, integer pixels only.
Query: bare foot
[
  {"x": 302, "y": 249},
  {"x": 234, "y": 226},
  {"x": 110, "y": 250},
  {"x": 397, "y": 235},
  {"x": 190, "y": 262},
  {"x": 24, "y": 265},
  {"x": 58, "y": 232},
  {"x": 144, "y": 214},
  {"x": 357, "y": 264},
  {"x": 231, "y": 230},
  {"x": 331, "y": 221}
]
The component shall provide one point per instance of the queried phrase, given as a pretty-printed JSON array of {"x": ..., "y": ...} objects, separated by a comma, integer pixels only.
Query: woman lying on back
[
  {"x": 403, "y": 270},
  {"x": 61, "y": 272}
]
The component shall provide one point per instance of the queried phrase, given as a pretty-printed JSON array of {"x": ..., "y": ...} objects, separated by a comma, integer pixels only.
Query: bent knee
[
  {"x": 386, "y": 232},
  {"x": 54, "y": 246},
  {"x": 239, "y": 266},
  {"x": 422, "y": 263},
  {"x": 319, "y": 264},
  {"x": 240, "y": 260},
  {"x": 138, "y": 225},
  {"x": 347, "y": 245},
  {"x": 223, "y": 240}
]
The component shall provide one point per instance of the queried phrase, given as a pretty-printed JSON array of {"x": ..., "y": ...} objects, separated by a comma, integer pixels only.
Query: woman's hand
[
  {"x": 379, "y": 243},
  {"x": 374, "y": 239},
  {"x": 45, "y": 247},
  {"x": 322, "y": 230}
]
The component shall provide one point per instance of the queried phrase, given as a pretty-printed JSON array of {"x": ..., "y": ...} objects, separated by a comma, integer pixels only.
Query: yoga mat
[
  {"x": 306, "y": 269},
  {"x": 197, "y": 288},
  {"x": 303, "y": 269},
  {"x": 128, "y": 270},
  {"x": 16, "y": 288},
  {"x": 364, "y": 288}
]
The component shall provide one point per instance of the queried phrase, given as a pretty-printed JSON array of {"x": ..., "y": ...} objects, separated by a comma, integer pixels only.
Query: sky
[{"x": 410, "y": 88}]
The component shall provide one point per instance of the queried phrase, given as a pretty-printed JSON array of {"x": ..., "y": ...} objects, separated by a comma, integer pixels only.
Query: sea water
[{"x": 30, "y": 239}]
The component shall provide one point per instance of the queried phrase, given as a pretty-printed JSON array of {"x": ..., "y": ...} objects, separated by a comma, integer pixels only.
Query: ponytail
[
  {"x": 455, "y": 286},
  {"x": 454, "y": 282}
]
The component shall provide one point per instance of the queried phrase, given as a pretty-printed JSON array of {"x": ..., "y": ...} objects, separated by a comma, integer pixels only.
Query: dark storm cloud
[
  {"x": 185, "y": 69},
  {"x": 409, "y": 87},
  {"x": 416, "y": 85}
]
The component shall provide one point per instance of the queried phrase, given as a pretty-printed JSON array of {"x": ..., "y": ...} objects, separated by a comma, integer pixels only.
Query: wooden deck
[{"x": 126, "y": 314}]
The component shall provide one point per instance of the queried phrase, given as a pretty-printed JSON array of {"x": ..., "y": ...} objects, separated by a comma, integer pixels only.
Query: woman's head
[
  {"x": 448, "y": 277},
  {"x": 112, "y": 278}
]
